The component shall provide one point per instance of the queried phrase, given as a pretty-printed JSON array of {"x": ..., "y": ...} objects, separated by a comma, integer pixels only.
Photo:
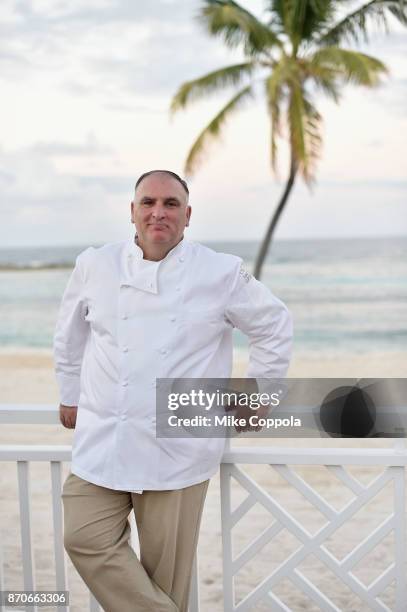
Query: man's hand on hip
[
  {"x": 67, "y": 415},
  {"x": 243, "y": 414}
]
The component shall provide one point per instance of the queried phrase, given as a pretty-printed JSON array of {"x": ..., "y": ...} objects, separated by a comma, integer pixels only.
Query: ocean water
[{"x": 345, "y": 295}]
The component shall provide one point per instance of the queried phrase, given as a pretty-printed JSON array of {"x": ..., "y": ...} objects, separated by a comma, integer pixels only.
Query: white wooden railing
[{"x": 391, "y": 462}]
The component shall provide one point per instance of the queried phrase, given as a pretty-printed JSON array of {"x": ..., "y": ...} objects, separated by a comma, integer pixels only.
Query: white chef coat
[{"x": 124, "y": 322}]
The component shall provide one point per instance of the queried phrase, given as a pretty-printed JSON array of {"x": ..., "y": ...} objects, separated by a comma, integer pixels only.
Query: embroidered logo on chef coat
[{"x": 245, "y": 275}]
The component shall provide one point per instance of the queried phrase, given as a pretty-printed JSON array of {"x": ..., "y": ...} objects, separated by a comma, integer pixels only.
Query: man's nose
[{"x": 158, "y": 211}]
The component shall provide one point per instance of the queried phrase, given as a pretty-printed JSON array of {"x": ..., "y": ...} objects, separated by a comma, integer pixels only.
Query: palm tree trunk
[{"x": 274, "y": 220}]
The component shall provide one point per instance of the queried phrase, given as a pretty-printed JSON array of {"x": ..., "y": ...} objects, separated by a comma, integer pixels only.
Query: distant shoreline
[
  {"x": 226, "y": 241},
  {"x": 34, "y": 267},
  {"x": 293, "y": 251}
]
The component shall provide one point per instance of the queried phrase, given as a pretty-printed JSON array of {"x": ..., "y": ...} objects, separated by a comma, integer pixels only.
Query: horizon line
[{"x": 216, "y": 240}]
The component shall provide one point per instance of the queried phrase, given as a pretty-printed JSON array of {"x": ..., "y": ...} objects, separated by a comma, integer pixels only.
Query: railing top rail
[
  {"x": 317, "y": 456},
  {"x": 35, "y": 452},
  {"x": 29, "y": 414},
  {"x": 266, "y": 455},
  {"x": 48, "y": 414}
]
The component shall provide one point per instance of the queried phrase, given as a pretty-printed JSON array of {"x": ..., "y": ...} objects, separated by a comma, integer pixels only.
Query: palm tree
[{"x": 296, "y": 52}]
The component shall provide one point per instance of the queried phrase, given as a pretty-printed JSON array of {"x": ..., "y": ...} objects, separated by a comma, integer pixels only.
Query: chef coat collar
[
  {"x": 132, "y": 252},
  {"x": 132, "y": 249}
]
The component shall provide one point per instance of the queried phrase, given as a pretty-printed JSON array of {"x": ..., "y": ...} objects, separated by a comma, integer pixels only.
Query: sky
[{"x": 85, "y": 95}]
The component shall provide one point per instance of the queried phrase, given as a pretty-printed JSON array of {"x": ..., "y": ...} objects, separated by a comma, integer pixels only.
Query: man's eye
[{"x": 171, "y": 204}]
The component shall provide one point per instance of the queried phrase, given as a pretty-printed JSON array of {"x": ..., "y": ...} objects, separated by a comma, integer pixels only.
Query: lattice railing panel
[{"x": 333, "y": 519}]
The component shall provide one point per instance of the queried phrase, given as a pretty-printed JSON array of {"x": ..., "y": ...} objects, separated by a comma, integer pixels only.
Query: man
[{"x": 154, "y": 306}]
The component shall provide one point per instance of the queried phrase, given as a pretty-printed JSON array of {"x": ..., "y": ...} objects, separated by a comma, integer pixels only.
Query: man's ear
[
  {"x": 189, "y": 212},
  {"x": 132, "y": 211}
]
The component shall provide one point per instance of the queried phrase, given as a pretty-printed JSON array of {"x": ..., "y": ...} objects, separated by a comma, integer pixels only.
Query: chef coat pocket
[
  {"x": 200, "y": 328},
  {"x": 203, "y": 317}
]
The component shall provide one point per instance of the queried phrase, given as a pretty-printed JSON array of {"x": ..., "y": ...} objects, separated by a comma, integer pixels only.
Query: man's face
[{"x": 160, "y": 211}]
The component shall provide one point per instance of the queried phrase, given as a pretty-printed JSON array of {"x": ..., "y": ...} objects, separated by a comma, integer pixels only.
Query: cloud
[
  {"x": 29, "y": 178},
  {"x": 119, "y": 48},
  {"x": 342, "y": 184},
  {"x": 136, "y": 108},
  {"x": 102, "y": 11},
  {"x": 122, "y": 184},
  {"x": 110, "y": 10},
  {"x": 71, "y": 71},
  {"x": 56, "y": 149},
  {"x": 43, "y": 205},
  {"x": 111, "y": 47},
  {"x": 393, "y": 97}
]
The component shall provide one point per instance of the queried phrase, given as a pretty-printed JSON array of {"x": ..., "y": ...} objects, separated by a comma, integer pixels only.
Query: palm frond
[
  {"x": 213, "y": 129},
  {"x": 236, "y": 25},
  {"x": 305, "y": 133},
  {"x": 350, "y": 66},
  {"x": 354, "y": 26},
  {"x": 274, "y": 85},
  {"x": 324, "y": 77},
  {"x": 301, "y": 19},
  {"x": 211, "y": 82}
]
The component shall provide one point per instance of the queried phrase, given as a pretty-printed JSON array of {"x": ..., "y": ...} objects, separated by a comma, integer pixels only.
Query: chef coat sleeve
[
  {"x": 265, "y": 320},
  {"x": 70, "y": 335}
]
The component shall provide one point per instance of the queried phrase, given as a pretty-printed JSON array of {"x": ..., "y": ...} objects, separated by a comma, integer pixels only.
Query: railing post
[
  {"x": 400, "y": 530},
  {"x": 23, "y": 469},
  {"x": 226, "y": 511},
  {"x": 1, "y": 569},
  {"x": 59, "y": 551}
]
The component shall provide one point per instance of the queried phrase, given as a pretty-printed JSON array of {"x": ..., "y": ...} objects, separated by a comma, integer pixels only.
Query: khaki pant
[{"x": 96, "y": 538}]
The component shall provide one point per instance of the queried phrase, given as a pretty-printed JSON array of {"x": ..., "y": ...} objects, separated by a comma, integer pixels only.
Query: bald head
[{"x": 165, "y": 173}]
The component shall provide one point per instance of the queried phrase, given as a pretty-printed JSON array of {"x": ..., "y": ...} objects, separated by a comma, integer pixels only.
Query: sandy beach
[{"x": 27, "y": 377}]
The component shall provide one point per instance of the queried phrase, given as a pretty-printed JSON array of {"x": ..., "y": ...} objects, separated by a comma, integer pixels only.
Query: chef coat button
[
  {"x": 125, "y": 383},
  {"x": 124, "y": 316},
  {"x": 123, "y": 417},
  {"x": 181, "y": 259},
  {"x": 177, "y": 288},
  {"x": 129, "y": 255},
  {"x": 163, "y": 351},
  {"x": 173, "y": 318},
  {"x": 125, "y": 349}
]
